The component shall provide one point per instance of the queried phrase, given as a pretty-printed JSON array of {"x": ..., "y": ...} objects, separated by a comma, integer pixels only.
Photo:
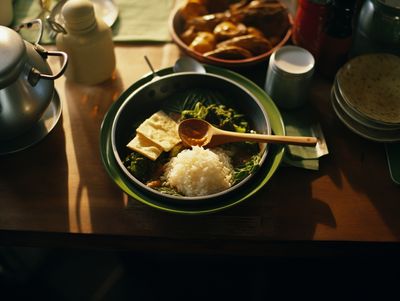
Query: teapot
[{"x": 26, "y": 81}]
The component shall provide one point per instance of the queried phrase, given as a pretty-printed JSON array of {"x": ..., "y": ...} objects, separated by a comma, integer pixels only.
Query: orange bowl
[{"x": 176, "y": 28}]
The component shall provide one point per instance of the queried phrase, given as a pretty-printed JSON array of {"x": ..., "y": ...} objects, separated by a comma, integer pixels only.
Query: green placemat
[{"x": 138, "y": 20}]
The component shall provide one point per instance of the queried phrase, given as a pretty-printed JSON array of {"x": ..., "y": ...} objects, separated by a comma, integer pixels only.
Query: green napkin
[
  {"x": 138, "y": 21},
  {"x": 143, "y": 20},
  {"x": 303, "y": 122}
]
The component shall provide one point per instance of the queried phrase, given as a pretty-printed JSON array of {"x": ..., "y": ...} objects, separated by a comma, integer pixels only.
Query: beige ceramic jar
[{"x": 88, "y": 43}]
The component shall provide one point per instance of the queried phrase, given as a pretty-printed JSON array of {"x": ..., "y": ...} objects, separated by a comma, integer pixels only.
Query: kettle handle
[{"x": 35, "y": 75}]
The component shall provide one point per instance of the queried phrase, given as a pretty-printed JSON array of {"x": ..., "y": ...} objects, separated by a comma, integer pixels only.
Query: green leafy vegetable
[
  {"x": 218, "y": 115},
  {"x": 167, "y": 190},
  {"x": 187, "y": 100},
  {"x": 142, "y": 167},
  {"x": 246, "y": 169}
]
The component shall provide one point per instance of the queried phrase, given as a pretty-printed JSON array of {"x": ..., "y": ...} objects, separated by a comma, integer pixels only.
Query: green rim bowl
[{"x": 206, "y": 205}]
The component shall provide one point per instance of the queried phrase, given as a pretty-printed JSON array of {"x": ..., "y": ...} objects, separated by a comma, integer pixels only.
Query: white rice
[{"x": 199, "y": 171}]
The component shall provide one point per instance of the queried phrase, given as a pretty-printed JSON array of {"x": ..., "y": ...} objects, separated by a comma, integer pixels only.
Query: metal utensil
[
  {"x": 155, "y": 75},
  {"x": 26, "y": 83},
  {"x": 187, "y": 64}
]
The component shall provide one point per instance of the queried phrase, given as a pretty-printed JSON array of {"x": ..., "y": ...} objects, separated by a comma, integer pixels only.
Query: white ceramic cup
[
  {"x": 289, "y": 76},
  {"x": 6, "y": 12}
]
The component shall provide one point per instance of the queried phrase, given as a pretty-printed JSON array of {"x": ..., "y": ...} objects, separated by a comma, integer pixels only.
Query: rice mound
[{"x": 199, "y": 171}]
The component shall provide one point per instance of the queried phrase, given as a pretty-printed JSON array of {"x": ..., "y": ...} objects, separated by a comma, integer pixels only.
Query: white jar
[
  {"x": 6, "y": 12},
  {"x": 289, "y": 76},
  {"x": 88, "y": 43}
]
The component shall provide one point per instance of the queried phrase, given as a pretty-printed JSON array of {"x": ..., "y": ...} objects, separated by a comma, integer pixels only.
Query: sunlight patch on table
[{"x": 78, "y": 206}]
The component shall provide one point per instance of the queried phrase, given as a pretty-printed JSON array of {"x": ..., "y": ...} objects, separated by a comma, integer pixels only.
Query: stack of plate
[{"x": 366, "y": 96}]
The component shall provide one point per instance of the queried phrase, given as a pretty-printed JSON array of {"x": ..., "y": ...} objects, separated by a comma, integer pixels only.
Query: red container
[
  {"x": 309, "y": 25},
  {"x": 338, "y": 38}
]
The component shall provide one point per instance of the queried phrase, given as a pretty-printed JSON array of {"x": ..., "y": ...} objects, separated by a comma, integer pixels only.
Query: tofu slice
[
  {"x": 144, "y": 146},
  {"x": 161, "y": 130}
]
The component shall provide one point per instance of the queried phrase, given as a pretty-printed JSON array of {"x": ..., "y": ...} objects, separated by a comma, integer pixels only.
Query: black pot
[{"x": 150, "y": 97}]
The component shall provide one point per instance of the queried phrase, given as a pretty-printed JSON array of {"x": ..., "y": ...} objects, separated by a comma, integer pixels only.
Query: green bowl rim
[{"x": 271, "y": 164}]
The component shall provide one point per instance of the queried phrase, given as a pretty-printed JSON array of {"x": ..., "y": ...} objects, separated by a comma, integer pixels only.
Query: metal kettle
[
  {"x": 377, "y": 28},
  {"x": 26, "y": 82}
]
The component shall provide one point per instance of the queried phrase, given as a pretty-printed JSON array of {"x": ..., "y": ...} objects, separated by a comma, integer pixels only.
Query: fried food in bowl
[{"x": 231, "y": 33}]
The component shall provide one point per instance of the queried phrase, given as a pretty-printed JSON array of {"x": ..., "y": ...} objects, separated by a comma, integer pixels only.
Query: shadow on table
[
  {"x": 298, "y": 212},
  {"x": 34, "y": 181},
  {"x": 359, "y": 163}
]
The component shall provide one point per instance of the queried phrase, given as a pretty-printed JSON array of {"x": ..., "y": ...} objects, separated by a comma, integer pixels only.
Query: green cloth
[
  {"x": 138, "y": 20},
  {"x": 143, "y": 20},
  {"x": 303, "y": 122}
]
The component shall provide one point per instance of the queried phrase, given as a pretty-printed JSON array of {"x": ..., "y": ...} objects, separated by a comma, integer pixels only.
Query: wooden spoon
[{"x": 198, "y": 132}]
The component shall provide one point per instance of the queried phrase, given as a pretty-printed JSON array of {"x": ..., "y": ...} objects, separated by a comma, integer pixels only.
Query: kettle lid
[{"x": 12, "y": 59}]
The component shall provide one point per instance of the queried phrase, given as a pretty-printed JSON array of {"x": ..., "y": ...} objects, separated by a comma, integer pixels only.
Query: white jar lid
[
  {"x": 79, "y": 15},
  {"x": 293, "y": 61}
]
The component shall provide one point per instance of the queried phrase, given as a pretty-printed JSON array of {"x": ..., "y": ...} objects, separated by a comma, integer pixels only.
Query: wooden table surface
[{"x": 57, "y": 193}]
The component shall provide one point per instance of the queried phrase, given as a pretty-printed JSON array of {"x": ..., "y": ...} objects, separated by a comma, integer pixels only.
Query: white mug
[{"x": 6, "y": 12}]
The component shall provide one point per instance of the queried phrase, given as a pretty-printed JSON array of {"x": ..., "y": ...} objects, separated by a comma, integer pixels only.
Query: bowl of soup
[{"x": 151, "y": 155}]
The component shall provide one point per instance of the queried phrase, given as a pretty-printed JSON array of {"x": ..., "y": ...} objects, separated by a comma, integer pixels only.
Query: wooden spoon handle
[
  {"x": 295, "y": 140},
  {"x": 223, "y": 137}
]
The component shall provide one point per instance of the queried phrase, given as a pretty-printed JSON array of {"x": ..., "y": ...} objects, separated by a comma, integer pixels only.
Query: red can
[{"x": 309, "y": 25}]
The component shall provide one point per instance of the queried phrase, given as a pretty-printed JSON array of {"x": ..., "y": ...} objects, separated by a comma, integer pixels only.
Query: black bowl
[{"x": 152, "y": 96}]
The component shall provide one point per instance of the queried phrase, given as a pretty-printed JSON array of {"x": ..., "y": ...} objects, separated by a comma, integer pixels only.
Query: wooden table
[{"x": 57, "y": 193}]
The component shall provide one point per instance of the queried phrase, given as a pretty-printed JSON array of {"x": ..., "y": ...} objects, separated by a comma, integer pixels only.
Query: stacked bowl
[{"x": 366, "y": 96}]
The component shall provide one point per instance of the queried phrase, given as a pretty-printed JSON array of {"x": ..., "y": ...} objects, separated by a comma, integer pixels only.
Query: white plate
[
  {"x": 360, "y": 129},
  {"x": 370, "y": 85},
  {"x": 360, "y": 118}
]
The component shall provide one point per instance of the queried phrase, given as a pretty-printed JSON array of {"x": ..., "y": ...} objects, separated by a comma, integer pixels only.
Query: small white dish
[{"x": 107, "y": 10}]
